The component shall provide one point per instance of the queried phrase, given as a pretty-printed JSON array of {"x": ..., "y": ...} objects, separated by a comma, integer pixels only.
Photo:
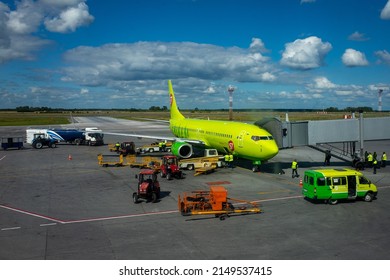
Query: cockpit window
[{"x": 257, "y": 138}]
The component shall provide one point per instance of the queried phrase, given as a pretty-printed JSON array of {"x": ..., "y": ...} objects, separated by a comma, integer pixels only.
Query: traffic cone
[
  {"x": 69, "y": 157},
  {"x": 300, "y": 183}
]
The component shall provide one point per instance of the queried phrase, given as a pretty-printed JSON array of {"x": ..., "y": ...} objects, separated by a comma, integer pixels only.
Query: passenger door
[{"x": 351, "y": 186}]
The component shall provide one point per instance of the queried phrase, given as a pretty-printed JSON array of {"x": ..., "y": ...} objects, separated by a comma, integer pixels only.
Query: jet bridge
[{"x": 344, "y": 138}]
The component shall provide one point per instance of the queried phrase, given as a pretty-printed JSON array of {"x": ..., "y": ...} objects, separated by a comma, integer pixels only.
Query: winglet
[{"x": 175, "y": 113}]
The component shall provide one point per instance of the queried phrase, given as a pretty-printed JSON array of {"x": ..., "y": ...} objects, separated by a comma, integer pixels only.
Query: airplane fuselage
[{"x": 243, "y": 140}]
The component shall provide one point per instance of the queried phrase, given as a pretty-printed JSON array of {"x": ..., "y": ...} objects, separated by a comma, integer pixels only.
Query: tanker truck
[{"x": 91, "y": 136}]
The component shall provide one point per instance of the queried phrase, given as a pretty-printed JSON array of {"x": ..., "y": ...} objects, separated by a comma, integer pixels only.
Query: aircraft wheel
[{"x": 190, "y": 167}]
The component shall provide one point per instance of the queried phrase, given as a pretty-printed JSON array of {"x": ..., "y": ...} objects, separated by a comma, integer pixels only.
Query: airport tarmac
[{"x": 52, "y": 207}]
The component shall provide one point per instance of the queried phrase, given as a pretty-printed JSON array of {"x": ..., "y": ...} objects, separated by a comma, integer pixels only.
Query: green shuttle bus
[{"x": 332, "y": 185}]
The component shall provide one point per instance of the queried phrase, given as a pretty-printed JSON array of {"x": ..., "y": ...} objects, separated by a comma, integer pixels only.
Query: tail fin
[{"x": 175, "y": 113}]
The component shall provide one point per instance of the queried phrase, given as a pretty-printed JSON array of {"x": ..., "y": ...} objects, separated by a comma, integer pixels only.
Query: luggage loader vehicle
[
  {"x": 214, "y": 202},
  {"x": 148, "y": 187},
  {"x": 332, "y": 185}
]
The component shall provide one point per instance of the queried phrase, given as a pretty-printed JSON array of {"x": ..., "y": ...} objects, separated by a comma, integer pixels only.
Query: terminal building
[{"x": 344, "y": 138}]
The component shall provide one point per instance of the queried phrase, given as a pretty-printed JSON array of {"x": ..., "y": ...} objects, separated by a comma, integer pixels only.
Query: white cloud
[
  {"x": 18, "y": 27},
  {"x": 384, "y": 56},
  {"x": 114, "y": 63},
  {"x": 385, "y": 13},
  {"x": 84, "y": 91},
  {"x": 257, "y": 45},
  {"x": 323, "y": 83},
  {"x": 70, "y": 19},
  {"x": 352, "y": 58},
  {"x": 305, "y": 53},
  {"x": 357, "y": 36},
  {"x": 25, "y": 19}
]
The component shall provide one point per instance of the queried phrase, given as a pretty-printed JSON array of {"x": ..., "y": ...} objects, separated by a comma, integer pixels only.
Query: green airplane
[
  {"x": 243, "y": 140},
  {"x": 247, "y": 141}
]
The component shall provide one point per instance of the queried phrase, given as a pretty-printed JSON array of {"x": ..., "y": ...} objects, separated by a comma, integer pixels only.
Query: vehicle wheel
[
  {"x": 359, "y": 165},
  {"x": 168, "y": 150},
  {"x": 135, "y": 197},
  {"x": 333, "y": 201},
  {"x": 154, "y": 197},
  {"x": 190, "y": 167},
  {"x": 368, "y": 197},
  {"x": 255, "y": 168},
  {"x": 151, "y": 150},
  {"x": 52, "y": 145},
  {"x": 38, "y": 145}
]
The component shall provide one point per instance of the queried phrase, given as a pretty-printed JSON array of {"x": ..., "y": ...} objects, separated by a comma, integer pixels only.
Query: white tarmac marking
[
  {"x": 57, "y": 221},
  {"x": 11, "y": 228},
  {"x": 120, "y": 217},
  {"x": 32, "y": 214},
  {"x": 46, "y": 225},
  {"x": 2, "y": 158}
]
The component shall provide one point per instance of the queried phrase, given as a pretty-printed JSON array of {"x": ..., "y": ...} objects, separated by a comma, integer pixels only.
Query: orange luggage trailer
[{"x": 214, "y": 202}]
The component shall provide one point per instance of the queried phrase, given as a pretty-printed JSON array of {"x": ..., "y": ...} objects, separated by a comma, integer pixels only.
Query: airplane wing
[{"x": 172, "y": 138}]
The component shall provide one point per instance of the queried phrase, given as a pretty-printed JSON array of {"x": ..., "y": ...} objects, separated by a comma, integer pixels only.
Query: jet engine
[{"x": 182, "y": 149}]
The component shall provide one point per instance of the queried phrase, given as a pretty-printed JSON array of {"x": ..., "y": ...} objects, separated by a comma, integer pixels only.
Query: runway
[{"x": 55, "y": 208}]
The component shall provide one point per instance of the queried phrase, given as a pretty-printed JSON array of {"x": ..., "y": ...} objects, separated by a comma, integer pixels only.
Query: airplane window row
[{"x": 219, "y": 134}]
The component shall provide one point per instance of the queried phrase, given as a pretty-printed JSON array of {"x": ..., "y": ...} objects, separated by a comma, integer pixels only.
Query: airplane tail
[{"x": 175, "y": 113}]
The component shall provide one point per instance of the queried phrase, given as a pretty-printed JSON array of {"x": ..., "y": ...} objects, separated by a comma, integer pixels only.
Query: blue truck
[{"x": 91, "y": 136}]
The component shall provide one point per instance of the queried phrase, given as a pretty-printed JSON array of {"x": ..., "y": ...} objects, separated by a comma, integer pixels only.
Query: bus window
[
  {"x": 311, "y": 181},
  {"x": 321, "y": 182},
  {"x": 337, "y": 181},
  {"x": 364, "y": 180}
]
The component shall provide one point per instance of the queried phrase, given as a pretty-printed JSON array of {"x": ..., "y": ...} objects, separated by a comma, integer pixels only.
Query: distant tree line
[
  {"x": 164, "y": 109},
  {"x": 350, "y": 109}
]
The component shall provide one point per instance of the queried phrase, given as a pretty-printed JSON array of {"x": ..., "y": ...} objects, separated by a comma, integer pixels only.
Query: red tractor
[
  {"x": 170, "y": 168},
  {"x": 148, "y": 186}
]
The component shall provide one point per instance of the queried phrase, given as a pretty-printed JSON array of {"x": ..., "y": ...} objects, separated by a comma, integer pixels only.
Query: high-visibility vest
[
  {"x": 230, "y": 157},
  {"x": 226, "y": 157},
  {"x": 294, "y": 165},
  {"x": 370, "y": 157},
  {"x": 384, "y": 157}
]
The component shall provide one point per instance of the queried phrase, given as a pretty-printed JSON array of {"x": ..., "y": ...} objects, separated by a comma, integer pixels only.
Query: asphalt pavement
[{"x": 54, "y": 207}]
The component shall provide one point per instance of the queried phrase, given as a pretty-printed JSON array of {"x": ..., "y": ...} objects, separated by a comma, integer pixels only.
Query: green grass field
[{"x": 13, "y": 118}]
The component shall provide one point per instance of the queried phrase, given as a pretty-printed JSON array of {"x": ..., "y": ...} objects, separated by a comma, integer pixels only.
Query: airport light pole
[
  {"x": 231, "y": 90},
  {"x": 361, "y": 135}
]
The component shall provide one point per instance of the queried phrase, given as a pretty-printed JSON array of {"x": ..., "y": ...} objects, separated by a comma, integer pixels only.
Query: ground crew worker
[
  {"x": 161, "y": 146},
  {"x": 164, "y": 146},
  {"x": 226, "y": 158},
  {"x": 327, "y": 157},
  {"x": 384, "y": 159},
  {"x": 370, "y": 158},
  {"x": 294, "y": 167},
  {"x": 117, "y": 146},
  {"x": 231, "y": 160},
  {"x": 375, "y": 165}
]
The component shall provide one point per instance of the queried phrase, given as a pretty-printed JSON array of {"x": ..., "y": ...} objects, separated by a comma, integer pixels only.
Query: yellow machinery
[{"x": 214, "y": 202}]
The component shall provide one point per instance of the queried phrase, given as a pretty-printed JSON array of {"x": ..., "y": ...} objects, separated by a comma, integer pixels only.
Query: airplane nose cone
[{"x": 273, "y": 150}]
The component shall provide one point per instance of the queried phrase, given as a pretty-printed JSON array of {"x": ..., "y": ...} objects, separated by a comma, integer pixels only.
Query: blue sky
[{"x": 307, "y": 54}]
